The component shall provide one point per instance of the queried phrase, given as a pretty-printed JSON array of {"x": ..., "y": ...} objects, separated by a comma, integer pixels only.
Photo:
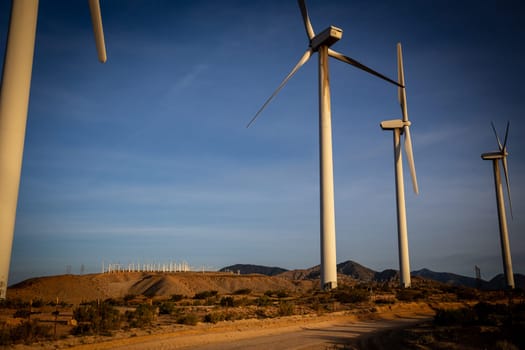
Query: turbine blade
[
  {"x": 506, "y": 171},
  {"x": 361, "y": 66},
  {"x": 401, "y": 91},
  {"x": 410, "y": 158},
  {"x": 506, "y": 135},
  {"x": 299, "y": 64},
  {"x": 497, "y": 137},
  {"x": 96, "y": 18},
  {"x": 306, "y": 19}
]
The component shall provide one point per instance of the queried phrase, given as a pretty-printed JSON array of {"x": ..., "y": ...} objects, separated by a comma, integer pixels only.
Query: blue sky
[{"x": 147, "y": 157}]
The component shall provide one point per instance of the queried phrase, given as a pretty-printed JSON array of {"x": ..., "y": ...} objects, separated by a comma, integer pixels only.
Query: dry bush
[
  {"x": 189, "y": 319},
  {"x": 263, "y": 301},
  {"x": 27, "y": 332},
  {"x": 206, "y": 294},
  {"x": 227, "y": 301},
  {"x": 243, "y": 291},
  {"x": 351, "y": 296},
  {"x": 142, "y": 317},
  {"x": 176, "y": 297},
  {"x": 286, "y": 308},
  {"x": 410, "y": 294},
  {"x": 166, "y": 307},
  {"x": 99, "y": 318}
]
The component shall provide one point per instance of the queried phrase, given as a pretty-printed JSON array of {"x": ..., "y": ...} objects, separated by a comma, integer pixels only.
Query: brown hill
[
  {"x": 77, "y": 288},
  {"x": 345, "y": 269}
]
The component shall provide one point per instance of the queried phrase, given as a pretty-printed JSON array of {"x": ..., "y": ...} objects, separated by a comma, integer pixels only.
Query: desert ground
[{"x": 228, "y": 311}]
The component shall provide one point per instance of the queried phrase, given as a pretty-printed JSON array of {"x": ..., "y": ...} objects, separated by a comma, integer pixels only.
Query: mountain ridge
[{"x": 362, "y": 273}]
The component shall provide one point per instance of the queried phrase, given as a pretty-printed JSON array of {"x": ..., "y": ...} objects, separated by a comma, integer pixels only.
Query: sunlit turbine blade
[
  {"x": 306, "y": 19},
  {"x": 506, "y": 171},
  {"x": 410, "y": 158},
  {"x": 497, "y": 137},
  {"x": 96, "y": 18},
  {"x": 299, "y": 64},
  {"x": 361, "y": 66},
  {"x": 506, "y": 135},
  {"x": 401, "y": 92}
]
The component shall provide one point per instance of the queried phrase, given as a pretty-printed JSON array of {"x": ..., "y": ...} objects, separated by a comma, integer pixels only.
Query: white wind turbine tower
[
  {"x": 14, "y": 99},
  {"x": 399, "y": 127},
  {"x": 503, "y": 230},
  {"x": 321, "y": 43}
]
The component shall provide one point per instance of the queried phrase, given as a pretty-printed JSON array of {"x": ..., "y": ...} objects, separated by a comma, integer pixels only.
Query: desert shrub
[
  {"x": 464, "y": 316},
  {"x": 384, "y": 301},
  {"x": 505, "y": 345},
  {"x": 206, "y": 294},
  {"x": 263, "y": 301},
  {"x": 95, "y": 318},
  {"x": 321, "y": 297},
  {"x": 384, "y": 287},
  {"x": 261, "y": 313},
  {"x": 129, "y": 297},
  {"x": 189, "y": 319},
  {"x": 112, "y": 302},
  {"x": 278, "y": 293},
  {"x": 409, "y": 294},
  {"x": 227, "y": 301},
  {"x": 244, "y": 301},
  {"x": 425, "y": 339},
  {"x": 243, "y": 291},
  {"x": 13, "y": 304},
  {"x": 38, "y": 303},
  {"x": 351, "y": 296},
  {"x": 286, "y": 308},
  {"x": 142, "y": 317},
  {"x": 214, "y": 317},
  {"x": 22, "y": 313},
  {"x": 176, "y": 297},
  {"x": 316, "y": 305},
  {"x": 166, "y": 308},
  {"x": 5, "y": 336},
  {"x": 282, "y": 294},
  {"x": 465, "y": 293},
  {"x": 483, "y": 312},
  {"x": 27, "y": 332}
]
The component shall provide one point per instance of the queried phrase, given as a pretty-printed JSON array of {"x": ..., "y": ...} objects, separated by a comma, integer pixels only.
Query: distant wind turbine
[
  {"x": 321, "y": 43},
  {"x": 399, "y": 127},
  {"x": 503, "y": 231},
  {"x": 14, "y": 100}
]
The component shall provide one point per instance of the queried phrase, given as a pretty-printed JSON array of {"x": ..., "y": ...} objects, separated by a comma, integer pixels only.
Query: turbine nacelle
[
  {"x": 394, "y": 124},
  {"x": 327, "y": 37},
  {"x": 494, "y": 155}
]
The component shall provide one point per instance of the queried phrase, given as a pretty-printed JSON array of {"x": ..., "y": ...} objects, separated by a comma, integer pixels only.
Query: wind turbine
[
  {"x": 399, "y": 127},
  {"x": 503, "y": 231},
  {"x": 321, "y": 43},
  {"x": 14, "y": 100}
]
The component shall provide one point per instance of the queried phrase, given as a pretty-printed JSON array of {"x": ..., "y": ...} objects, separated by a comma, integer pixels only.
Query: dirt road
[{"x": 324, "y": 335}]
